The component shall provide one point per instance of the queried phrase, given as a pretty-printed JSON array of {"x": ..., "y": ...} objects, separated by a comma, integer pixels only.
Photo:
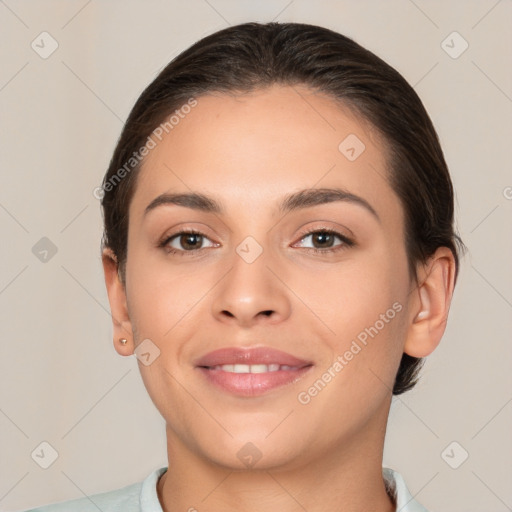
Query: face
[{"x": 266, "y": 264}]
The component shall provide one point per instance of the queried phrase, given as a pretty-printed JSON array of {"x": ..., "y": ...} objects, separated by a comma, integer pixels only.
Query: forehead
[{"x": 248, "y": 150}]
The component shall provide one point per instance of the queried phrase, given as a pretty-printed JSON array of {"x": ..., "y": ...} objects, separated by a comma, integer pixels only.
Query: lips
[{"x": 251, "y": 372}]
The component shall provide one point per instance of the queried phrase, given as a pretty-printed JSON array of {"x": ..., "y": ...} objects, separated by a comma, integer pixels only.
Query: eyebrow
[
  {"x": 299, "y": 200},
  {"x": 192, "y": 200},
  {"x": 317, "y": 196}
]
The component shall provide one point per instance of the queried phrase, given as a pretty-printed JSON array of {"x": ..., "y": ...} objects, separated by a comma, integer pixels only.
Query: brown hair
[{"x": 252, "y": 56}]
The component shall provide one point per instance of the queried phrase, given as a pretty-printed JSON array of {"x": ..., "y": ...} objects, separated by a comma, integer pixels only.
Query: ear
[
  {"x": 122, "y": 327},
  {"x": 430, "y": 304}
]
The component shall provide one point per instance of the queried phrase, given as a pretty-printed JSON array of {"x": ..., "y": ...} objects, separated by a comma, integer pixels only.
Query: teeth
[
  {"x": 258, "y": 368},
  {"x": 252, "y": 368}
]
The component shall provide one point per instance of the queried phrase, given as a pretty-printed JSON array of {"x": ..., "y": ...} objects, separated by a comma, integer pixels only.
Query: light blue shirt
[{"x": 143, "y": 497}]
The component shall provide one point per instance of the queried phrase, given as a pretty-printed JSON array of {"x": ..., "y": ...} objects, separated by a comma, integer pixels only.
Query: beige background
[{"x": 61, "y": 380}]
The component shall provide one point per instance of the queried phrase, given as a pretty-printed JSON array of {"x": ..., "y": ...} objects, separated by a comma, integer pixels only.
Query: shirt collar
[
  {"x": 394, "y": 481},
  {"x": 395, "y": 485}
]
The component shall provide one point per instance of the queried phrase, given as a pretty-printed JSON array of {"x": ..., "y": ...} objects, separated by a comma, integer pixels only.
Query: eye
[
  {"x": 324, "y": 240},
  {"x": 186, "y": 241}
]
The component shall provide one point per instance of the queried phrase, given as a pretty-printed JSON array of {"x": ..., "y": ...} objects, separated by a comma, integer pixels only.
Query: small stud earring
[{"x": 123, "y": 341}]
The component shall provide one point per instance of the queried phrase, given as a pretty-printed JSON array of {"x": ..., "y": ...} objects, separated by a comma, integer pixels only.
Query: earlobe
[
  {"x": 430, "y": 304},
  {"x": 122, "y": 328}
]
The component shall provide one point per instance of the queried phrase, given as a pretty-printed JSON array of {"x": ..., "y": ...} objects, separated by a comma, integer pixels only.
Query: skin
[{"x": 248, "y": 152}]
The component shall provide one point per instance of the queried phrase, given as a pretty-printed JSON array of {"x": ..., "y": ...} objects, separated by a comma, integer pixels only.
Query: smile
[
  {"x": 251, "y": 372},
  {"x": 254, "y": 368}
]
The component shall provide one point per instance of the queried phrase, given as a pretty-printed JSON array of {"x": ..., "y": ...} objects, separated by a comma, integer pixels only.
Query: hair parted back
[{"x": 251, "y": 56}]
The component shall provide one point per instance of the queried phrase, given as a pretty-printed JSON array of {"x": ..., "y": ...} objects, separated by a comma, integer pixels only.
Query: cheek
[
  {"x": 363, "y": 303},
  {"x": 160, "y": 303},
  {"x": 160, "y": 295},
  {"x": 351, "y": 295},
  {"x": 364, "y": 352}
]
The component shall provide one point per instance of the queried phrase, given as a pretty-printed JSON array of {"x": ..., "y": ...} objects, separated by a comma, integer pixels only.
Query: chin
[{"x": 253, "y": 449}]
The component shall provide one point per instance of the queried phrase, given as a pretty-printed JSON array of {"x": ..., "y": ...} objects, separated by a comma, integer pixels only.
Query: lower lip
[{"x": 252, "y": 384}]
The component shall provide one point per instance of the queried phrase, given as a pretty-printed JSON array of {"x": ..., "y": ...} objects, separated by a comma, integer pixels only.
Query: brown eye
[
  {"x": 187, "y": 242},
  {"x": 323, "y": 240},
  {"x": 190, "y": 241}
]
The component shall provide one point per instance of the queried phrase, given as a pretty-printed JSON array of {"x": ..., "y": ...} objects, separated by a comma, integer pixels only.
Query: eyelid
[
  {"x": 167, "y": 238},
  {"x": 197, "y": 228},
  {"x": 348, "y": 240}
]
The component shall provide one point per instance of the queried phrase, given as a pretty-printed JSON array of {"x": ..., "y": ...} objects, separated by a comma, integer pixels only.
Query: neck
[{"x": 341, "y": 479}]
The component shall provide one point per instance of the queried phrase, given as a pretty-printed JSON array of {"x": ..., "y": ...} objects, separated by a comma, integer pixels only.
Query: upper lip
[{"x": 258, "y": 355}]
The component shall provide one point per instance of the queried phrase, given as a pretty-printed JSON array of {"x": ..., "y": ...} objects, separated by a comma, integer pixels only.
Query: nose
[{"x": 251, "y": 294}]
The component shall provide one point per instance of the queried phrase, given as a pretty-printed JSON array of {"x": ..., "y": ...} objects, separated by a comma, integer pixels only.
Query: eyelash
[
  {"x": 346, "y": 242},
  {"x": 179, "y": 252}
]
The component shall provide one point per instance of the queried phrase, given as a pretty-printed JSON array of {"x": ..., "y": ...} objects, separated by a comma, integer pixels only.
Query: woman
[{"x": 279, "y": 254}]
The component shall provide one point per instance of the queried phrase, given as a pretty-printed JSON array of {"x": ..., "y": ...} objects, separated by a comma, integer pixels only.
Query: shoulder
[
  {"x": 126, "y": 499},
  {"x": 132, "y": 498}
]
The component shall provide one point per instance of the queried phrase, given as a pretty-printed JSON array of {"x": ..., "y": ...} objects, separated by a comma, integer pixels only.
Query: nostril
[{"x": 267, "y": 313}]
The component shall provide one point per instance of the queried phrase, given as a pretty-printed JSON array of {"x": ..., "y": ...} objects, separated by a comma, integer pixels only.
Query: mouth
[
  {"x": 253, "y": 368},
  {"x": 251, "y": 372}
]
